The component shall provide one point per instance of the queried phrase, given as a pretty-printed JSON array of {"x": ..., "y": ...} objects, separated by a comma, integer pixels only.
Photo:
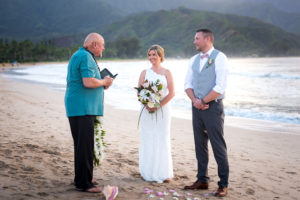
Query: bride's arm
[
  {"x": 142, "y": 78},
  {"x": 141, "y": 81},
  {"x": 171, "y": 89}
]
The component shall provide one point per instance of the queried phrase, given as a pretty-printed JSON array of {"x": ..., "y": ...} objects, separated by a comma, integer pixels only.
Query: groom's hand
[
  {"x": 197, "y": 103},
  {"x": 205, "y": 106}
]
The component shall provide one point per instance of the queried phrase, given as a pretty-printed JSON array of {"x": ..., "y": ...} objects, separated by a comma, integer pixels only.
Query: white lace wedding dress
[{"x": 155, "y": 161}]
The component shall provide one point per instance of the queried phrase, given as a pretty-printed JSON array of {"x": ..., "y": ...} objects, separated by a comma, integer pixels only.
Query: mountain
[
  {"x": 70, "y": 20},
  {"x": 44, "y": 19},
  {"x": 292, "y": 6},
  {"x": 175, "y": 30},
  {"x": 285, "y": 14},
  {"x": 32, "y": 19}
]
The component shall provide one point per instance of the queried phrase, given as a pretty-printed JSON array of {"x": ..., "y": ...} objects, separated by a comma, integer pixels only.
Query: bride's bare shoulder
[{"x": 167, "y": 72}]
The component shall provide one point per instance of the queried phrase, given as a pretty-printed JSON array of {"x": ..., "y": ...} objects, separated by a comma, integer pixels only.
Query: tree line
[{"x": 48, "y": 50}]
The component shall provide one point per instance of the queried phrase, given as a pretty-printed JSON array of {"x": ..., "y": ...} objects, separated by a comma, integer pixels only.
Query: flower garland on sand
[{"x": 99, "y": 143}]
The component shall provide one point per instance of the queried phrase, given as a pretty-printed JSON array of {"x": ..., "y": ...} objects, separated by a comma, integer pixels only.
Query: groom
[{"x": 205, "y": 85}]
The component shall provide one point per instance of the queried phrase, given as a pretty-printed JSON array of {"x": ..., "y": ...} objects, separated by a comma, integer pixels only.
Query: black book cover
[{"x": 106, "y": 72}]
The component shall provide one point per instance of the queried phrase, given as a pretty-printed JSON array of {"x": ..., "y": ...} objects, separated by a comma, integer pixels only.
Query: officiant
[{"x": 83, "y": 102}]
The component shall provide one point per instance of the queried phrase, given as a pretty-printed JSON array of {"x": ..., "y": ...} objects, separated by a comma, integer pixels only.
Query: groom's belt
[{"x": 215, "y": 101}]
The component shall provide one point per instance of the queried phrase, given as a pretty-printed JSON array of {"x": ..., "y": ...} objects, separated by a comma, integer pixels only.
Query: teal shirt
[{"x": 79, "y": 100}]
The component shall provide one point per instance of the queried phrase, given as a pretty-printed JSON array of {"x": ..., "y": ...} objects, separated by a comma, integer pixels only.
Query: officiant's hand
[{"x": 108, "y": 81}]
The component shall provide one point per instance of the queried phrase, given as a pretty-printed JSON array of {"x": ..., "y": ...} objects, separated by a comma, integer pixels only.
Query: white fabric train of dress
[{"x": 155, "y": 160}]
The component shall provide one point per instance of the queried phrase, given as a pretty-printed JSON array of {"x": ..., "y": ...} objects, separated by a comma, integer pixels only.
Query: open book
[{"x": 106, "y": 72}]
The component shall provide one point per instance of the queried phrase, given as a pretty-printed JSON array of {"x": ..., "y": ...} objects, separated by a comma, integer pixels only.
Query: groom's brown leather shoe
[
  {"x": 197, "y": 185},
  {"x": 221, "y": 192}
]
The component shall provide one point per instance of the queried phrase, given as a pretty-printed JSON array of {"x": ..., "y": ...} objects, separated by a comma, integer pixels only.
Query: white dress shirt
[{"x": 221, "y": 68}]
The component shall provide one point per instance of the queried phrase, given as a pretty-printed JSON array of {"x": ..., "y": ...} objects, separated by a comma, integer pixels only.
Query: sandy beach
[{"x": 36, "y": 153}]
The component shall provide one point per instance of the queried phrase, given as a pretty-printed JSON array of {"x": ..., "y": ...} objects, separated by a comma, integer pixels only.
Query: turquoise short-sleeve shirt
[{"x": 79, "y": 100}]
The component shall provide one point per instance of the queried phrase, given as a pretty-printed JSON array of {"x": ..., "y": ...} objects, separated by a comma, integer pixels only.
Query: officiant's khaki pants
[
  {"x": 208, "y": 125},
  {"x": 82, "y": 128}
]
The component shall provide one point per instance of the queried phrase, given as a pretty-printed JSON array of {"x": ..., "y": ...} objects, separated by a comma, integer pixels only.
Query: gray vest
[{"x": 204, "y": 81}]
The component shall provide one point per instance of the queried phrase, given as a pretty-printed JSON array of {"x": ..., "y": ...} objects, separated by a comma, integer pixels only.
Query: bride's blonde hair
[{"x": 159, "y": 51}]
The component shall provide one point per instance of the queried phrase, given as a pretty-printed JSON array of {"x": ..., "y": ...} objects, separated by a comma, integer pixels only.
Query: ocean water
[{"x": 258, "y": 88}]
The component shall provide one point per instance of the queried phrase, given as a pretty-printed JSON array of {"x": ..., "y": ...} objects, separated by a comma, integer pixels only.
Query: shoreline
[
  {"x": 244, "y": 123},
  {"x": 135, "y": 59},
  {"x": 36, "y": 153}
]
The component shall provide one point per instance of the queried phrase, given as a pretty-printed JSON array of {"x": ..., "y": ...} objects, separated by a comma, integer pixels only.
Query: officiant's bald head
[{"x": 94, "y": 42}]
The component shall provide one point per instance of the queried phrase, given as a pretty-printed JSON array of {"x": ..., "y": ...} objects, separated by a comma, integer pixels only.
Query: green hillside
[
  {"x": 276, "y": 12},
  {"x": 43, "y": 19},
  {"x": 175, "y": 30}
]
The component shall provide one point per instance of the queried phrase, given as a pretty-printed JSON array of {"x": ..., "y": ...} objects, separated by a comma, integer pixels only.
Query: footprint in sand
[
  {"x": 43, "y": 194},
  {"x": 135, "y": 174},
  {"x": 250, "y": 191},
  {"x": 291, "y": 173},
  {"x": 3, "y": 165},
  {"x": 29, "y": 169},
  {"x": 31, "y": 146},
  {"x": 48, "y": 151}
]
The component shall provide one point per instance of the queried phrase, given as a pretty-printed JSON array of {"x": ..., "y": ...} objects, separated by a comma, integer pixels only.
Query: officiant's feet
[
  {"x": 197, "y": 186},
  {"x": 93, "y": 189},
  {"x": 95, "y": 182}
]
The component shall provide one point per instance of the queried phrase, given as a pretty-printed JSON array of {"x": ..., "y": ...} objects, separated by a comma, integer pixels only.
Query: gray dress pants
[{"x": 209, "y": 125}]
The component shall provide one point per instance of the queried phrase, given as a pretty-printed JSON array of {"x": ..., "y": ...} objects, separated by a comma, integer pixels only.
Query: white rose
[
  {"x": 154, "y": 88},
  {"x": 150, "y": 104},
  {"x": 161, "y": 93},
  {"x": 143, "y": 94},
  {"x": 146, "y": 84}
]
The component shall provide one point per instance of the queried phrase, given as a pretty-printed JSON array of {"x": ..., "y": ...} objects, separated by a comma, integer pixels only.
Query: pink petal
[{"x": 160, "y": 194}]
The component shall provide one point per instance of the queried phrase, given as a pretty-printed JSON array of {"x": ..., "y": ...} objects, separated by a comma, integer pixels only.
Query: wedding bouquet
[
  {"x": 99, "y": 143},
  {"x": 149, "y": 93}
]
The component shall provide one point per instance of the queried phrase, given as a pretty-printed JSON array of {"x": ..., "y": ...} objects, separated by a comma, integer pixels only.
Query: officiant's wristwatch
[{"x": 202, "y": 101}]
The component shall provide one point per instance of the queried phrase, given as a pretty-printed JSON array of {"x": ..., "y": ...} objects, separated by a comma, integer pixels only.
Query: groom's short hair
[{"x": 207, "y": 33}]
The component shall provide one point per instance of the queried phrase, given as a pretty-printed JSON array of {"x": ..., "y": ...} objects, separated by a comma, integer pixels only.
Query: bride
[{"x": 155, "y": 161}]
